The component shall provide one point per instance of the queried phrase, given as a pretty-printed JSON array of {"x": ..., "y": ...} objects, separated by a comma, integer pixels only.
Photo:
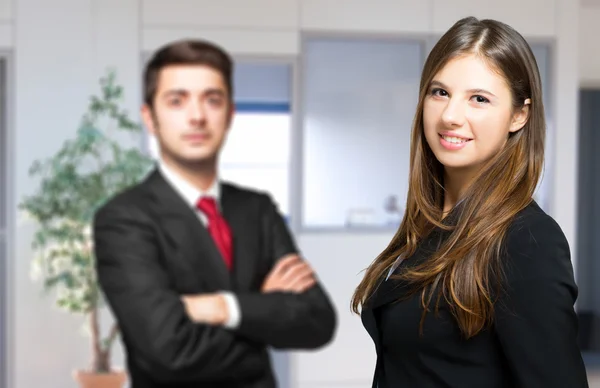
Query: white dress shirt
[{"x": 191, "y": 195}]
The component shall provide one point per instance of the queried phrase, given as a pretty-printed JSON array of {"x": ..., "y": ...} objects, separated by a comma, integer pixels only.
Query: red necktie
[{"x": 218, "y": 228}]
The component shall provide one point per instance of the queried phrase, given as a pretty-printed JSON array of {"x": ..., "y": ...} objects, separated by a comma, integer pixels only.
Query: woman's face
[{"x": 468, "y": 113}]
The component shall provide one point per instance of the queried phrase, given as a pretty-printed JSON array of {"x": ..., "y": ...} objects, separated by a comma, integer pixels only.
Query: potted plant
[{"x": 84, "y": 173}]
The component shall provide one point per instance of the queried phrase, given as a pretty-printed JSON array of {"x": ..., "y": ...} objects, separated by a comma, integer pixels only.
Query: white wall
[
  {"x": 6, "y": 23},
  {"x": 245, "y": 27},
  {"x": 589, "y": 46},
  {"x": 62, "y": 48},
  {"x": 63, "y": 45}
]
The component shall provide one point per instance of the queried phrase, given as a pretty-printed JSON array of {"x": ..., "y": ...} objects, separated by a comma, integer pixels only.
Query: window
[
  {"x": 257, "y": 151},
  {"x": 359, "y": 98}
]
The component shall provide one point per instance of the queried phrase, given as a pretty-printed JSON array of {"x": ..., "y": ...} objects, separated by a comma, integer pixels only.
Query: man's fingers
[
  {"x": 291, "y": 274},
  {"x": 296, "y": 272},
  {"x": 283, "y": 265},
  {"x": 304, "y": 284},
  {"x": 299, "y": 278}
]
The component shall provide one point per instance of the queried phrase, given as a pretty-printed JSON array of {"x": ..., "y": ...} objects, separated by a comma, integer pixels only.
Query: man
[{"x": 202, "y": 275}]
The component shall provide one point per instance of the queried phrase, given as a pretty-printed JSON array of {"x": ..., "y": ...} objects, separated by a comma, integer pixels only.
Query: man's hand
[
  {"x": 206, "y": 308},
  {"x": 291, "y": 274}
]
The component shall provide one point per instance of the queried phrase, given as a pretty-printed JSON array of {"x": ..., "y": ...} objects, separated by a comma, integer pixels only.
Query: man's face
[{"x": 191, "y": 114}]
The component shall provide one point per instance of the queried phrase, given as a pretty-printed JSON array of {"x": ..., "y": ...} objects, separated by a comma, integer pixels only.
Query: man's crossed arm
[
  {"x": 291, "y": 274},
  {"x": 288, "y": 286}
]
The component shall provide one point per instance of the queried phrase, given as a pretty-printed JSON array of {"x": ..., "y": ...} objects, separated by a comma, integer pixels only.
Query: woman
[{"x": 476, "y": 288}]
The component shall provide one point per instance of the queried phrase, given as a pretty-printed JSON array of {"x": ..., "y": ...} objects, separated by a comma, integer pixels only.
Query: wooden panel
[
  {"x": 532, "y": 18},
  {"x": 222, "y": 13},
  {"x": 237, "y": 42},
  {"x": 387, "y": 16}
]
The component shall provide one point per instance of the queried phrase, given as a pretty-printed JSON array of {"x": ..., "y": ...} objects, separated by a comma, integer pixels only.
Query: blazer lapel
[
  {"x": 389, "y": 291},
  {"x": 393, "y": 290},
  {"x": 368, "y": 318},
  {"x": 245, "y": 237},
  {"x": 191, "y": 242}
]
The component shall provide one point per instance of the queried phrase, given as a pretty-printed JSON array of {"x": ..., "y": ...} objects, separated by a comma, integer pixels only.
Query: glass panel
[
  {"x": 262, "y": 82},
  {"x": 359, "y": 100},
  {"x": 257, "y": 151},
  {"x": 272, "y": 179},
  {"x": 258, "y": 139}
]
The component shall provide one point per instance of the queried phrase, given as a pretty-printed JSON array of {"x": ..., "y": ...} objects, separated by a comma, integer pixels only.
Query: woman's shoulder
[
  {"x": 536, "y": 247},
  {"x": 536, "y": 222}
]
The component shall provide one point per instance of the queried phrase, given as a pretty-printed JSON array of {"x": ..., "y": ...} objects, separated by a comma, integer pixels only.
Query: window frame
[
  {"x": 7, "y": 243},
  {"x": 425, "y": 41}
]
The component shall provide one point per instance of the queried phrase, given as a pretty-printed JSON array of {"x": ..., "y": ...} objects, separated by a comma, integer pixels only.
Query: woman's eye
[
  {"x": 481, "y": 99},
  {"x": 439, "y": 92}
]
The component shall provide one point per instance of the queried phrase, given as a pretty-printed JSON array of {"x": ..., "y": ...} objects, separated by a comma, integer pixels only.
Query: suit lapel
[
  {"x": 393, "y": 289},
  {"x": 191, "y": 242},
  {"x": 243, "y": 224},
  {"x": 389, "y": 291},
  {"x": 368, "y": 316}
]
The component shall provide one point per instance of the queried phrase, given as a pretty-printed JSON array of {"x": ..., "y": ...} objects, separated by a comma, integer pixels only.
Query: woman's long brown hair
[{"x": 465, "y": 270}]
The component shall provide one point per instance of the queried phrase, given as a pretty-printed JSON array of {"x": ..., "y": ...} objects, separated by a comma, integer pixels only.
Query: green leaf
[{"x": 82, "y": 175}]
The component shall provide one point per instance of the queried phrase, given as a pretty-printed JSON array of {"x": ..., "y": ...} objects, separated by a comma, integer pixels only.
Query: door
[{"x": 588, "y": 218}]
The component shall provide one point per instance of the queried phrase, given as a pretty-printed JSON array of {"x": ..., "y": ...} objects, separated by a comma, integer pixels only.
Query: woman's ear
[{"x": 520, "y": 117}]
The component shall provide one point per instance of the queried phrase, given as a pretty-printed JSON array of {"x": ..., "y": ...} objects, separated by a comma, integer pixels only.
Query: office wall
[
  {"x": 62, "y": 46},
  {"x": 589, "y": 45},
  {"x": 268, "y": 27},
  {"x": 6, "y": 23}
]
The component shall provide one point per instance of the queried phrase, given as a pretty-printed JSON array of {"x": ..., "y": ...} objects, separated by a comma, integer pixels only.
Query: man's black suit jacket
[{"x": 151, "y": 248}]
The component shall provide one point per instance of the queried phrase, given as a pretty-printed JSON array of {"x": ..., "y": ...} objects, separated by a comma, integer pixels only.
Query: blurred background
[{"x": 326, "y": 90}]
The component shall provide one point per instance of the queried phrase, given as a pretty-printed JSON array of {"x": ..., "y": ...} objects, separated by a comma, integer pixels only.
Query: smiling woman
[
  {"x": 482, "y": 275},
  {"x": 469, "y": 108}
]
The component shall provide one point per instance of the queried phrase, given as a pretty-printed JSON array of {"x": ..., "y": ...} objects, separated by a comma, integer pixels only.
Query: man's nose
[{"x": 196, "y": 112}]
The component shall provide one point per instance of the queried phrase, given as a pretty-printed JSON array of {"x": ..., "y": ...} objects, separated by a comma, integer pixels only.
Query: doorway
[{"x": 588, "y": 218}]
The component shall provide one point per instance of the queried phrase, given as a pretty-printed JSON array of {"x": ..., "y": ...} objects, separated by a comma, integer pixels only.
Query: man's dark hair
[{"x": 187, "y": 52}]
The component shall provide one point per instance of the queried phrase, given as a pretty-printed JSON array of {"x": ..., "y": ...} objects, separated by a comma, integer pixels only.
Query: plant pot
[{"x": 88, "y": 379}]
